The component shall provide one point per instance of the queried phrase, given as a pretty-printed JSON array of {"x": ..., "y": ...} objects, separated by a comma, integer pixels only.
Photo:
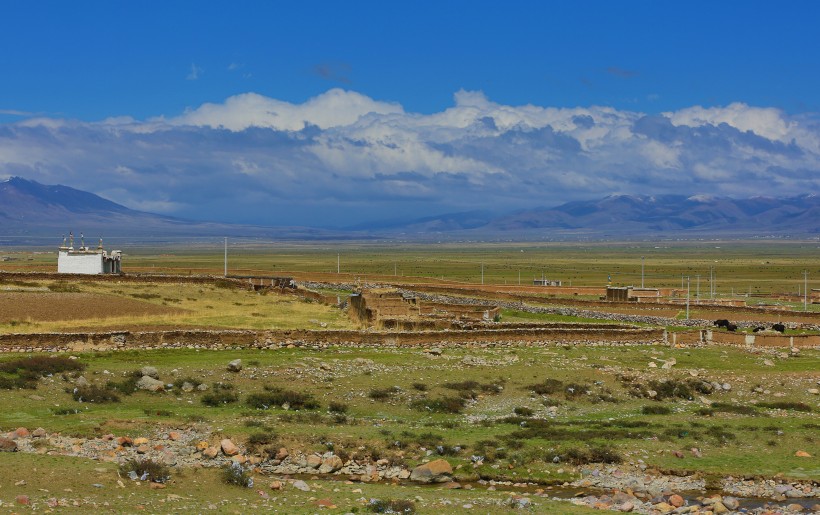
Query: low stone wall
[
  {"x": 127, "y": 278},
  {"x": 52, "y": 342}
]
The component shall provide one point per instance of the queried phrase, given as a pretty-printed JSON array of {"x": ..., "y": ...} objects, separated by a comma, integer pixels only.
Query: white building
[{"x": 84, "y": 260}]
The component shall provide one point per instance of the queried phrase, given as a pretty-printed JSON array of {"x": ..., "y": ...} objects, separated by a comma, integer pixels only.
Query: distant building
[
  {"x": 632, "y": 294},
  {"x": 546, "y": 282},
  {"x": 84, "y": 260}
]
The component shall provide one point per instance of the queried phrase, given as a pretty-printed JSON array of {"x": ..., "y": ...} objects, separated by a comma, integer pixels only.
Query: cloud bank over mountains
[{"x": 342, "y": 157}]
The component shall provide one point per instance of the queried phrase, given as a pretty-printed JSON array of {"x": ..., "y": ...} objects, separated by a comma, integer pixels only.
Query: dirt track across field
[{"x": 52, "y": 306}]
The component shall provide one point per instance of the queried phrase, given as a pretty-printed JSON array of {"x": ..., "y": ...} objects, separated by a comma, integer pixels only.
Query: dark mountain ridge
[{"x": 30, "y": 209}]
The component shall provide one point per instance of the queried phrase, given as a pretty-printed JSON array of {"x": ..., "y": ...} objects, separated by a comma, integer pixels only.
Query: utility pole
[
  {"x": 482, "y": 273},
  {"x": 641, "y": 271},
  {"x": 687, "y": 297},
  {"x": 711, "y": 283},
  {"x": 395, "y": 269},
  {"x": 519, "y": 277},
  {"x": 338, "y": 263},
  {"x": 805, "y": 290},
  {"x": 697, "y": 288},
  {"x": 226, "y": 257}
]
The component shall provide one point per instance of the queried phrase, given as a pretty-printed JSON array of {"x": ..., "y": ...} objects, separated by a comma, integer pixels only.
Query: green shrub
[
  {"x": 275, "y": 397},
  {"x": 391, "y": 506},
  {"x": 25, "y": 372},
  {"x": 546, "y": 387},
  {"x": 440, "y": 405},
  {"x": 592, "y": 455},
  {"x": 522, "y": 411},
  {"x": 95, "y": 394},
  {"x": 786, "y": 405},
  {"x": 656, "y": 410},
  {"x": 220, "y": 394},
  {"x": 235, "y": 474},
  {"x": 257, "y": 440},
  {"x": 337, "y": 407},
  {"x": 383, "y": 394}
]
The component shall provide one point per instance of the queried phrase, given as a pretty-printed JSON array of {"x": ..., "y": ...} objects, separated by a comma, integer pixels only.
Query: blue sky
[{"x": 406, "y": 101}]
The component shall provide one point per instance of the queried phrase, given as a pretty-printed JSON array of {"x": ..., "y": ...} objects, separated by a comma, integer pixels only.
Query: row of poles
[{"x": 712, "y": 278}]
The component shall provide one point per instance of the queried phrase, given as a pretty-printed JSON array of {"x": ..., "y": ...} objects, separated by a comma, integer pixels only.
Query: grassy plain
[
  {"x": 759, "y": 266},
  {"x": 592, "y": 399},
  {"x": 517, "y": 408}
]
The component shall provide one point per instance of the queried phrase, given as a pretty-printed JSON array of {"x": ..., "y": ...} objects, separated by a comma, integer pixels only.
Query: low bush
[
  {"x": 235, "y": 474},
  {"x": 220, "y": 394},
  {"x": 127, "y": 385},
  {"x": 734, "y": 408},
  {"x": 383, "y": 394},
  {"x": 274, "y": 397},
  {"x": 591, "y": 455},
  {"x": 656, "y": 410},
  {"x": 440, "y": 405},
  {"x": 25, "y": 372},
  {"x": 422, "y": 387},
  {"x": 337, "y": 407},
  {"x": 522, "y": 411},
  {"x": 546, "y": 387},
  {"x": 256, "y": 440},
  {"x": 391, "y": 506},
  {"x": 786, "y": 405},
  {"x": 95, "y": 394}
]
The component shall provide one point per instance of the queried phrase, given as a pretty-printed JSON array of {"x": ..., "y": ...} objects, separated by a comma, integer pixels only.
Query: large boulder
[
  {"x": 229, "y": 448},
  {"x": 437, "y": 471},
  {"x": 235, "y": 365},
  {"x": 150, "y": 372},
  {"x": 330, "y": 464},
  {"x": 7, "y": 445},
  {"x": 150, "y": 384}
]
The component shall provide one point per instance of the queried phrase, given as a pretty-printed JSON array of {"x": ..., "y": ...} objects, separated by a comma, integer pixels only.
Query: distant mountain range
[{"x": 31, "y": 210}]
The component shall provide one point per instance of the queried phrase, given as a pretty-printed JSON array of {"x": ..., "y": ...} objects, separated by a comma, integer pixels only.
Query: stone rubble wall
[{"x": 52, "y": 342}]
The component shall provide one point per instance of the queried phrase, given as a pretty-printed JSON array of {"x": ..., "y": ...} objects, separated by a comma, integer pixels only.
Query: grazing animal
[
  {"x": 780, "y": 328},
  {"x": 722, "y": 323},
  {"x": 731, "y": 327},
  {"x": 758, "y": 329}
]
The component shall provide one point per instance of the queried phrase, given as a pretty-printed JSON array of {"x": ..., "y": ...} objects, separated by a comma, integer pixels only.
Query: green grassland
[
  {"x": 759, "y": 266},
  {"x": 483, "y": 402}
]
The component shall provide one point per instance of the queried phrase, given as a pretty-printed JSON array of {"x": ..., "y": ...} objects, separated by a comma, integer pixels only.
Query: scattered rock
[
  {"x": 7, "y": 445},
  {"x": 210, "y": 452},
  {"x": 38, "y": 433},
  {"x": 22, "y": 500},
  {"x": 802, "y": 454},
  {"x": 21, "y": 432},
  {"x": 174, "y": 436},
  {"x": 235, "y": 365},
  {"x": 676, "y": 500},
  {"x": 276, "y": 485},
  {"x": 140, "y": 441},
  {"x": 80, "y": 382},
  {"x": 228, "y": 447},
  {"x": 150, "y": 372},
  {"x": 331, "y": 464},
  {"x": 150, "y": 384},
  {"x": 301, "y": 485},
  {"x": 437, "y": 471}
]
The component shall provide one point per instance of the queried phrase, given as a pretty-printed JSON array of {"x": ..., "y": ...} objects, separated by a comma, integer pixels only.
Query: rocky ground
[{"x": 624, "y": 488}]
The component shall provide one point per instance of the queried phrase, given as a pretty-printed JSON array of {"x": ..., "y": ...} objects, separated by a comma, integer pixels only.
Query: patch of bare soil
[{"x": 53, "y": 306}]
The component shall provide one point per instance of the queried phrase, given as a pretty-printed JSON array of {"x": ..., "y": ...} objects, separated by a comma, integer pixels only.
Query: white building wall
[{"x": 79, "y": 263}]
